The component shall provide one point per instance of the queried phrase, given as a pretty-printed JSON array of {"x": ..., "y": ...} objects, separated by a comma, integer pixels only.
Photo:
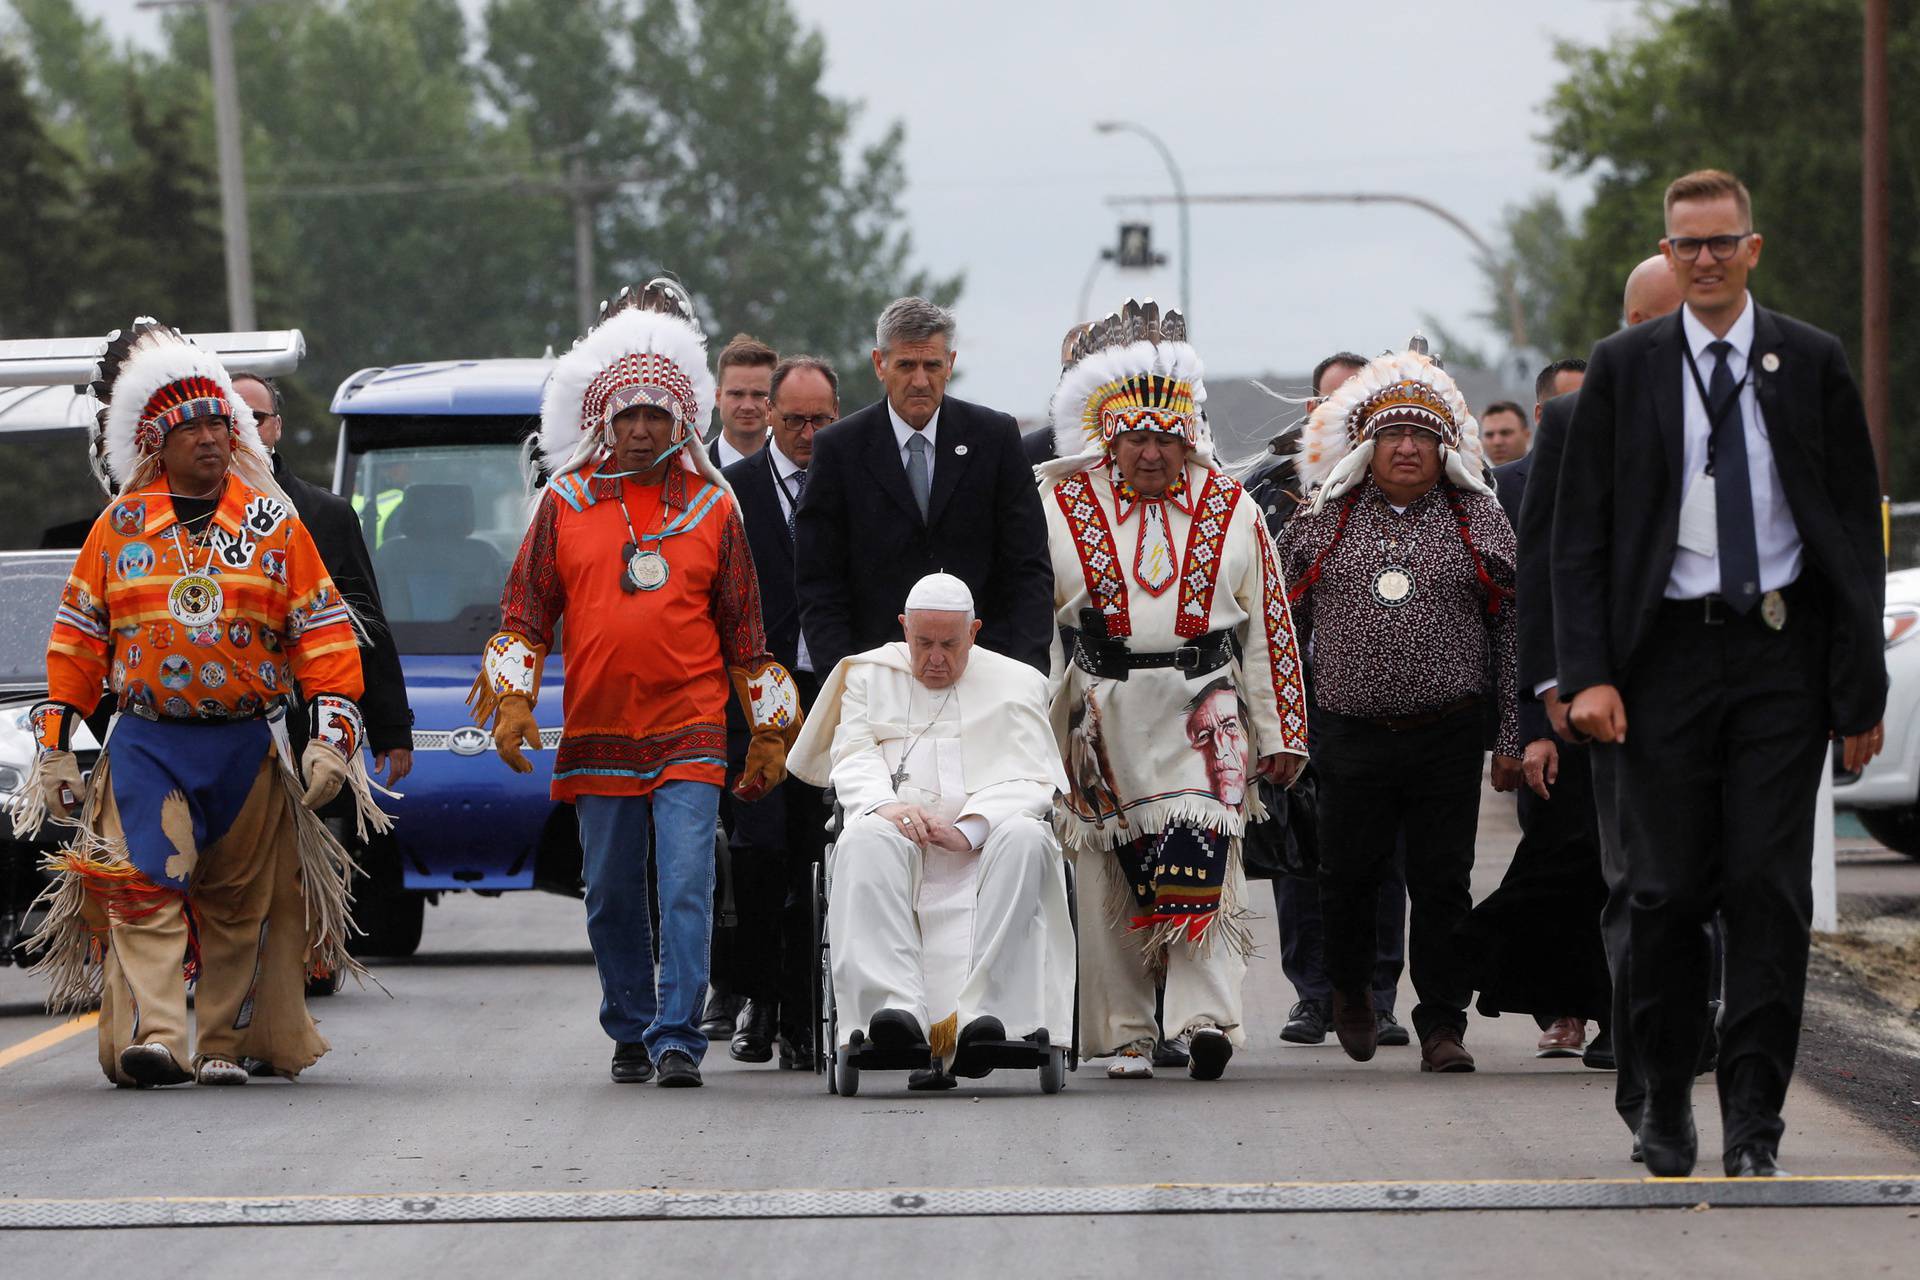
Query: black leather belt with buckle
[{"x": 1110, "y": 659}]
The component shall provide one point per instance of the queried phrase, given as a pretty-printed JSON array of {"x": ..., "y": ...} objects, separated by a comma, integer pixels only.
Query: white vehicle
[{"x": 1886, "y": 794}]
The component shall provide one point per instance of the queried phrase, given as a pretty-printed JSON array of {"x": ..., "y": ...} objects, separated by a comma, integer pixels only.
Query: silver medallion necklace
[
  {"x": 1393, "y": 583},
  {"x": 641, "y": 570}
]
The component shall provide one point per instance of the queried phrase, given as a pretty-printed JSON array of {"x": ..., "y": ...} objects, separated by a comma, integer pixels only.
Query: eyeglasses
[
  {"x": 806, "y": 421},
  {"x": 1393, "y": 437},
  {"x": 1687, "y": 248}
]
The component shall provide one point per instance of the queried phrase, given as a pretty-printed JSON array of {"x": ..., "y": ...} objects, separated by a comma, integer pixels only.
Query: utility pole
[
  {"x": 233, "y": 178},
  {"x": 1876, "y": 308},
  {"x": 580, "y": 192}
]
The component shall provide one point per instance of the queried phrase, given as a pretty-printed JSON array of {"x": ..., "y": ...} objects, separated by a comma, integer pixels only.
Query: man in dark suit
[
  {"x": 336, "y": 535},
  {"x": 1718, "y": 581},
  {"x": 919, "y": 483},
  {"x": 776, "y": 840}
]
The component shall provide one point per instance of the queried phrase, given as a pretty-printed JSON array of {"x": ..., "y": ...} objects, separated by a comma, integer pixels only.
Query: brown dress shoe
[
  {"x": 1442, "y": 1051},
  {"x": 1563, "y": 1038},
  {"x": 1354, "y": 1024}
]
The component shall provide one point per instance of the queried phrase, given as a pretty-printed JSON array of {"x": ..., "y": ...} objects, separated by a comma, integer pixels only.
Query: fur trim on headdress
[
  {"x": 647, "y": 349},
  {"x": 152, "y": 378},
  {"x": 1401, "y": 387},
  {"x": 1132, "y": 371}
]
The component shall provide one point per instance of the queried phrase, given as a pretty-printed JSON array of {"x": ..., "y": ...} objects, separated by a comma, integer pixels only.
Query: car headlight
[
  {"x": 11, "y": 779},
  {"x": 1901, "y": 623}
]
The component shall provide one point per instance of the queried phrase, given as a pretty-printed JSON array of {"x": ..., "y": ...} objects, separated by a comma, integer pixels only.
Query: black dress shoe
[
  {"x": 896, "y": 1029},
  {"x": 1306, "y": 1023},
  {"x": 1389, "y": 1031},
  {"x": 753, "y": 1042},
  {"x": 1752, "y": 1162},
  {"x": 927, "y": 1080},
  {"x": 1353, "y": 1025},
  {"x": 1208, "y": 1050},
  {"x": 678, "y": 1071},
  {"x": 1638, "y": 1156},
  {"x": 631, "y": 1065},
  {"x": 983, "y": 1030},
  {"x": 722, "y": 1016},
  {"x": 1668, "y": 1140},
  {"x": 1599, "y": 1052}
]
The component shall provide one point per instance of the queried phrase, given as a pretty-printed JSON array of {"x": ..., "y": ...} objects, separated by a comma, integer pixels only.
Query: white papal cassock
[{"x": 944, "y": 936}]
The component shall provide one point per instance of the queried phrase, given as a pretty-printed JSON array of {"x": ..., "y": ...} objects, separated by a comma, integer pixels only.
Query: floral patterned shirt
[{"x": 1452, "y": 633}]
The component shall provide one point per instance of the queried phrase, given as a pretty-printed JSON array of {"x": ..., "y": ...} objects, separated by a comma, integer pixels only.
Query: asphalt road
[{"x": 486, "y": 1071}]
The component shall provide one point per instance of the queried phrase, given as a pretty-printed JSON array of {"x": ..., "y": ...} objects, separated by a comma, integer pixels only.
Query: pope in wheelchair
[{"x": 949, "y": 931}]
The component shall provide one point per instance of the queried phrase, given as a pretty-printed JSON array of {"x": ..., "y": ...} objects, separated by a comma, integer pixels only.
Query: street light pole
[
  {"x": 1516, "y": 316},
  {"x": 1180, "y": 198}
]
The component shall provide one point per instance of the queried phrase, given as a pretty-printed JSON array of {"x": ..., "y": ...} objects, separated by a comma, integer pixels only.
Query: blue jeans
[{"x": 659, "y": 1010}]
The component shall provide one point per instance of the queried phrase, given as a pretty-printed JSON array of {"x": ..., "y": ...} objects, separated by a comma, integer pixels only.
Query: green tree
[
  {"x": 1769, "y": 89},
  {"x": 37, "y": 207},
  {"x": 758, "y": 199}
]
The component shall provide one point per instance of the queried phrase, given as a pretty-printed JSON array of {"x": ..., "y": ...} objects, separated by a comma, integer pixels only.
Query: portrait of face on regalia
[{"x": 1216, "y": 728}]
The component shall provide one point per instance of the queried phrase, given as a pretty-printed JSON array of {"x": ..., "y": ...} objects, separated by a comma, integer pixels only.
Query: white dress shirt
[
  {"x": 784, "y": 484},
  {"x": 1778, "y": 538},
  {"x": 903, "y": 433},
  {"x": 728, "y": 454}
]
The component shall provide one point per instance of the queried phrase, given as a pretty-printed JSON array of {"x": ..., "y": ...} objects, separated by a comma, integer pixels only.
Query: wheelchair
[{"x": 843, "y": 1066}]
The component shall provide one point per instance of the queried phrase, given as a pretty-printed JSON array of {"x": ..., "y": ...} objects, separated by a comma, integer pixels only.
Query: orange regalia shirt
[
  {"x": 137, "y": 615},
  {"x": 647, "y": 686}
]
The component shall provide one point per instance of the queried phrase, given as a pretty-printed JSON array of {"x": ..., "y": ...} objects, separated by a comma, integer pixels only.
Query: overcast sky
[{"x": 1008, "y": 181}]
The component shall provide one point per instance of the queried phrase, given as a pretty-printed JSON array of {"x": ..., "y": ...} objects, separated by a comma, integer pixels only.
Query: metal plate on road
[{"x": 958, "y": 1202}]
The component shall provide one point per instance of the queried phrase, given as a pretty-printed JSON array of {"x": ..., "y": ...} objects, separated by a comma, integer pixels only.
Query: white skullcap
[{"x": 941, "y": 593}]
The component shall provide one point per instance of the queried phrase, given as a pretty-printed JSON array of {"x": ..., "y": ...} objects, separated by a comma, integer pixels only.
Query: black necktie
[{"x": 1733, "y": 491}]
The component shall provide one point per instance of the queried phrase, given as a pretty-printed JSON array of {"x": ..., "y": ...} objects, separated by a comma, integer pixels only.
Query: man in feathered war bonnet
[
  {"x": 1402, "y": 566},
  {"x": 1179, "y": 680},
  {"x": 199, "y": 602},
  {"x": 638, "y": 556}
]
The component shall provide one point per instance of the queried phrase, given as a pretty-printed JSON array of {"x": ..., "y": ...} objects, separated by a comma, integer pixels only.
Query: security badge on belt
[{"x": 1773, "y": 610}]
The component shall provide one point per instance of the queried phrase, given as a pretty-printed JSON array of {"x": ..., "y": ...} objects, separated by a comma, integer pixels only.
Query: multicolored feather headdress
[
  {"x": 152, "y": 378},
  {"x": 1132, "y": 371},
  {"x": 646, "y": 349},
  {"x": 1400, "y": 388}
]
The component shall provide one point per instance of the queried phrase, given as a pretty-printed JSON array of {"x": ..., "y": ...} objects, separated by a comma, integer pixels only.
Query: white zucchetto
[{"x": 940, "y": 593}]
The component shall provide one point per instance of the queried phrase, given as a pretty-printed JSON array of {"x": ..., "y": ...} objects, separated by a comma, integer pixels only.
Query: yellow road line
[{"x": 47, "y": 1039}]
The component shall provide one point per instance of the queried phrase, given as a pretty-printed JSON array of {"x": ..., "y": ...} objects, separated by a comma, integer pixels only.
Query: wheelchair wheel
[
  {"x": 1053, "y": 1072},
  {"x": 822, "y": 1047},
  {"x": 829, "y": 1045},
  {"x": 846, "y": 1076}
]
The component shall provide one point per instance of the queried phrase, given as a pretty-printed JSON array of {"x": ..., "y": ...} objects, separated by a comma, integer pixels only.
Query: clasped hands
[{"x": 924, "y": 827}]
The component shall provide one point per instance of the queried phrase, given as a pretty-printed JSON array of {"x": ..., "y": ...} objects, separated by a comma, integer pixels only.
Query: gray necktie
[
  {"x": 917, "y": 478},
  {"x": 793, "y": 502}
]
